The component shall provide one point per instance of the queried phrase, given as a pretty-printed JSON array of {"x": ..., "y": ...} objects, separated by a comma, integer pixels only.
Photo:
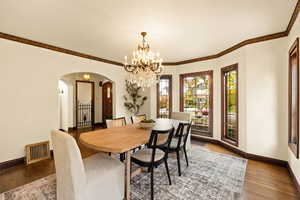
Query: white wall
[
  {"x": 63, "y": 105},
  {"x": 261, "y": 95},
  {"x": 264, "y": 93},
  {"x": 30, "y": 107},
  {"x": 295, "y": 32},
  {"x": 263, "y": 72}
]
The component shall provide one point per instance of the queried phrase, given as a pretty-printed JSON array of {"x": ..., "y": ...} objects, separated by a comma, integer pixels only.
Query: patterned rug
[{"x": 210, "y": 176}]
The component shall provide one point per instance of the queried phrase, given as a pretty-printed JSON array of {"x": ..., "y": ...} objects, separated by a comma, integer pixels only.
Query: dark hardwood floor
[{"x": 263, "y": 181}]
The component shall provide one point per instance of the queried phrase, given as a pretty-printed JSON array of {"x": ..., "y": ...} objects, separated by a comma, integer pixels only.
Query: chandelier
[{"x": 145, "y": 66}]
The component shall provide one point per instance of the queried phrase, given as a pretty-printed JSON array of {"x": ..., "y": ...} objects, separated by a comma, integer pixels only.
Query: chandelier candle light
[{"x": 145, "y": 67}]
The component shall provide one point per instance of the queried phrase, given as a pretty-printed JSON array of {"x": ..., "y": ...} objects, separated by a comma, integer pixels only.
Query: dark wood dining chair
[
  {"x": 178, "y": 143},
  {"x": 117, "y": 122},
  {"x": 138, "y": 118},
  {"x": 152, "y": 156}
]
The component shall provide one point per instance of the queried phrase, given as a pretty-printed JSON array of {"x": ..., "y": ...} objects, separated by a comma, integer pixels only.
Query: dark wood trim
[
  {"x": 55, "y": 48},
  {"x": 12, "y": 163},
  {"x": 99, "y": 124},
  {"x": 243, "y": 154},
  {"x": 245, "y": 42},
  {"x": 223, "y": 101},
  {"x": 169, "y": 77},
  {"x": 294, "y": 179},
  {"x": 118, "y": 118},
  {"x": 293, "y": 18},
  {"x": 93, "y": 101},
  {"x": 210, "y": 73},
  {"x": 265, "y": 159},
  {"x": 199, "y": 59},
  {"x": 18, "y": 161},
  {"x": 293, "y": 50},
  {"x": 70, "y": 129},
  {"x": 230, "y": 49}
]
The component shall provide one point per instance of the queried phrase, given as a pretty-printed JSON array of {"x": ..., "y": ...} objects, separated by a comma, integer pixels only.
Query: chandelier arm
[{"x": 130, "y": 68}]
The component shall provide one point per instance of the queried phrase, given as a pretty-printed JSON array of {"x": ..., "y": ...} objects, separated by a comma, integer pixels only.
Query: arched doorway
[{"x": 80, "y": 100}]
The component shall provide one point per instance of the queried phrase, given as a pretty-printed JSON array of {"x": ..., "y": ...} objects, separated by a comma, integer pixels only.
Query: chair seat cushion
[
  {"x": 105, "y": 177},
  {"x": 145, "y": 155}
]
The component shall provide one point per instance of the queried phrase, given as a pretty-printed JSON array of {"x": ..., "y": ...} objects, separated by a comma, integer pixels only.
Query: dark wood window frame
[
  {"x": 211, "y": 107},
  {"x": 223, "y": 111},
  {"x": 293, "y": 50},
  {"x": 169, "y": 77},
  {"x": 93, "y": 101}
]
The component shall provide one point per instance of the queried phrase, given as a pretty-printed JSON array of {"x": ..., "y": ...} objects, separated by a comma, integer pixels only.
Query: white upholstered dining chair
[
  {"x": 183, "y": 116},
  {"x": 96, "y": 177}
]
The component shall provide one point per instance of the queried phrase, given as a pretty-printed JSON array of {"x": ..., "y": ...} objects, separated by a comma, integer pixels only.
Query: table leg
[{"x": 127, "y": 175}]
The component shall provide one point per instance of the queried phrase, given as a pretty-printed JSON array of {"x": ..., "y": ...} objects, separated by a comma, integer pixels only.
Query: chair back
[
  {"x": 70, "y": 173},
  {"x": 181, "y": 116},
  {"x": 137, "y": 118},
  {"x": 182, "y": 133},
  {"x": 160, "y": 139},
  {"x": 117, "y": 122}
]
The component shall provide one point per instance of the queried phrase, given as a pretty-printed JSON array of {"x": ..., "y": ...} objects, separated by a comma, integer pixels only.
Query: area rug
[{"x": 210, "y": 176}]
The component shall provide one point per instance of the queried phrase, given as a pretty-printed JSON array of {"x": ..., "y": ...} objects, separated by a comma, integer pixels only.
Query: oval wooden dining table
[{"x": 122, "y": 140}]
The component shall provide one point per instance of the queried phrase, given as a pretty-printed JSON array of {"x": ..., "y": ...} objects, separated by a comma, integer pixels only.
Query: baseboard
[
  {"x": 99, "y": 124},
  {"x": 273, "y": 161},
  {"x": 18, "y": 161},
  {"x": 11, "y": 163},
  {"x": 96, "y": 124},
  {"x": 233, "y": 149},
  {"x": 246, "y": 155},
  {"x": 72, "y": 129},
  {"x": 294, "y": 179}
]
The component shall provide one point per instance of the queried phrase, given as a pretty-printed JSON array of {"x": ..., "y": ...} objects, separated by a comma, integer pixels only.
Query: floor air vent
[{"x": 37, "y": 152}]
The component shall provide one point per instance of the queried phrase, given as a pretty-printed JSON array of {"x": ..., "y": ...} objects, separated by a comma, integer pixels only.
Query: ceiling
[{"x": 178, "y": 29}]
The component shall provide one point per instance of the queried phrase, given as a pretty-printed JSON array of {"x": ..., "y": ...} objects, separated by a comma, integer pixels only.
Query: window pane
[
  {"x": 231, "y": 97},
  {"x": 164, "y": 106},
  {"x": 196, "y": 100},
  {"x": 294, "y": 90}
]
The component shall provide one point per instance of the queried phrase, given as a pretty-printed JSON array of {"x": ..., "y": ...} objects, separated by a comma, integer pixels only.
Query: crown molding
[
  {"x": 246, "y": 42},
  {"x": 199, "y": 59},
  {"x": 293, "y": 18},
  {"x": 231, "y": 49},
  {"x": 55, "y": 48}
]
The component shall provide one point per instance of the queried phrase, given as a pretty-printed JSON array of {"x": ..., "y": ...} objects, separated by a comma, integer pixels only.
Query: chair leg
[
  {"x": 178, "y": 161},
  {"x": 186, "y": 158},
  {"x": 152, "y": 183},
  {"x": 122, "y": 157},
  {"x": 168, "y": 173}
]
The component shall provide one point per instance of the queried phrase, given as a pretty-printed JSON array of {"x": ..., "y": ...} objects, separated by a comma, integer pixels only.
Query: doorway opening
[
  {"x": 107, "y": 103},
  {"x": 85, "y": 109},
  {"x": 81, "y": 101}
]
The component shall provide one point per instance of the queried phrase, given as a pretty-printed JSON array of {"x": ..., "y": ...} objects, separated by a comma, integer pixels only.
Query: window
[
  {"x": 196, "y": 97},
  {"x": 294, "y": 98},
  {"x": 229, "y": 101},
  {"x": 164, "y": 96}
]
